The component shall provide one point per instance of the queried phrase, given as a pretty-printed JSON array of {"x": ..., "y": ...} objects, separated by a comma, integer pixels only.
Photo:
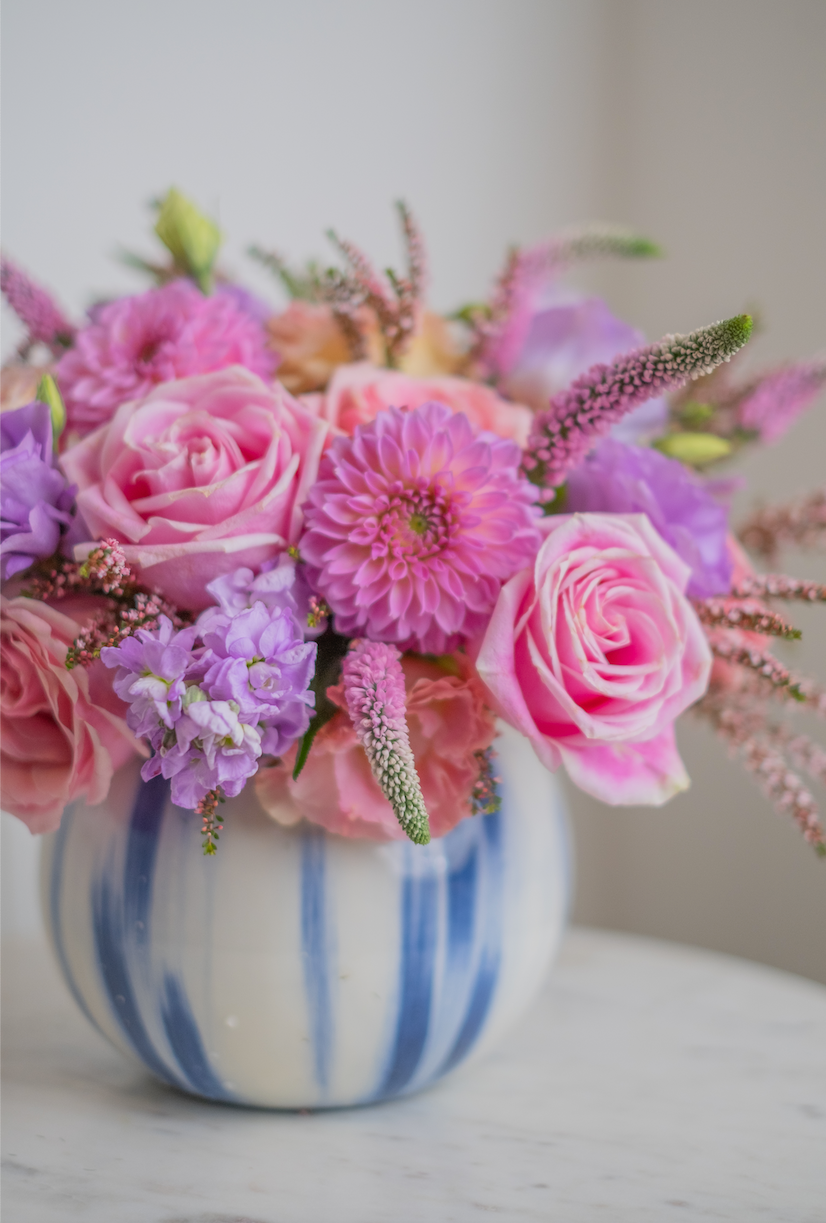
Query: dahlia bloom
[
  {"x": 36, "y": 501},
  {"x": 449, "y": 727},
  {"x": 413, "y": 526},
  {"x": 619, "y": 479},
  {"x": 164, "y": 334}
]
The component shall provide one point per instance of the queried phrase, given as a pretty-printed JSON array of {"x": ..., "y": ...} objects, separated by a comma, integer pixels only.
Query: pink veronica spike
[
  {"x": 565, "y": 432},
  {"x": 374, "y": 690}
]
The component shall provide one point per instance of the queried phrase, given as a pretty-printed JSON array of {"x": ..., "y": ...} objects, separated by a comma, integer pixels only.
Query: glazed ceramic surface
[{"x": 297, "y": 969}]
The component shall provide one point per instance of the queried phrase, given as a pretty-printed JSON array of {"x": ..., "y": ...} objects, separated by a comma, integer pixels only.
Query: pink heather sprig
[
  {"x": 374, "y": 691},
  {"x": 798, "y": 524},
  {"x": 211, "y": 826},
  {"x": 743, "y": 726},
  {"x": 394, "y": 302},
  {"x": 778, "y": 586},
  {"x": 501, "y": 327},
  {"x": 761, "y": 662},
  {"x": 750, "y": 617},
  {"x": 111, "y": 627},
  {"x": 772, "y": 404},
  {"x": 564, "y": 433},
  {"x": 485, "y": 798},
  {"x": 44, "y": 321}
]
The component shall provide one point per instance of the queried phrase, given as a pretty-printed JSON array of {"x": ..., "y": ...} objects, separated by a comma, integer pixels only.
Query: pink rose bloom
[
  {"x": 135, "y": 343},
  {"x": 448, "y": 722},
  {"x": 202, "y": 477},
  {"x": 595, "y": 651},
  {"x": 63, "y": 735},
  {"x": 359, "y": 391}
]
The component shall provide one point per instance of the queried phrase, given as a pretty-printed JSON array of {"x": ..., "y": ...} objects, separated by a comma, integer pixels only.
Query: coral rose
[
  {"x": 203, "y": 476},
  {"x": 63, "y": 736},
  {"x": 595, "y": 651},
  {"x": 448, "y": 723},
  {"x": 358, "y": 392}
]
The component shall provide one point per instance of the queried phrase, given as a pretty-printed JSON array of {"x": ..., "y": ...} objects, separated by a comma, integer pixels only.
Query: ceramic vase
[{"x": 296, "y": 968}]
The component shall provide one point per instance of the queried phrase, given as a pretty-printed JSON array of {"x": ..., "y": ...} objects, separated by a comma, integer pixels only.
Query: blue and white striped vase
[{"x": 297, "y": 969}]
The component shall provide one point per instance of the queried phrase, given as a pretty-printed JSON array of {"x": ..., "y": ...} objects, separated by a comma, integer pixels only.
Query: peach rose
[
  {"x": 448, "y": 722},
  {"x": 63, "y": 735},
  {"x": 358, "y": 392},
  {"x": 203, "y": 476}
]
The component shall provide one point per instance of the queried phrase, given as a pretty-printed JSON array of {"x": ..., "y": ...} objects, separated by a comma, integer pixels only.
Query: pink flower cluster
[{"x": 338, "y": 593}]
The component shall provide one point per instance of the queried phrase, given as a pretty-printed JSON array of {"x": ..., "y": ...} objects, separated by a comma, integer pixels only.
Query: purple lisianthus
[
  {"x": 623, "y": 479},
  {"x": 565, "y": 337},
  {"x": 36, "y": 500}
]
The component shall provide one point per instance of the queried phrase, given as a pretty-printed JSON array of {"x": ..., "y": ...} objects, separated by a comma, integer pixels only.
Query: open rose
[
  {"x": 448, "y": 723},
  {"x": 595, "y": 651},
  {"x": 63, "y": 735},
  {"x": 358, "y": 392},
  {"x": 203, "y": 476}
]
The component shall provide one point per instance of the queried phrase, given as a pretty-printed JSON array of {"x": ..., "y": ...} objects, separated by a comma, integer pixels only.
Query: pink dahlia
[
  {"x": 414, "y": 524},
  {"x": 136, "y": 342}
]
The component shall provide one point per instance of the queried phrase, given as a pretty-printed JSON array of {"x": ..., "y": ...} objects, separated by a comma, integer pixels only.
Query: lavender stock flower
[
  {"x": 36, "y": 500},
  {"x": 620, "y": 479}
]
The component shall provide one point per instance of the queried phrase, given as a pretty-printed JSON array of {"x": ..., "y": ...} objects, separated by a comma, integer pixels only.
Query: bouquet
[{"x": 320, "y": 551}]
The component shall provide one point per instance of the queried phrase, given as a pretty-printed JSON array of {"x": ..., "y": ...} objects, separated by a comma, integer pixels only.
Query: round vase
[{"x": 296, "y": 968}]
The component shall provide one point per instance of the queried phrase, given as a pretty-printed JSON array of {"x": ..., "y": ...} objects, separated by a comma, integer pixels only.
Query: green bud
[
  {"x": 694, "y": 449},
  {"x": 48, "y": 393},
  {"x": 694, "y": 414},
  {"x": 191, "y": 238}
]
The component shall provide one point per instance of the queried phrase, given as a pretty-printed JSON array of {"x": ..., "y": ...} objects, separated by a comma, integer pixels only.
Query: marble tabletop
[{"x": 648, "y": 1082}]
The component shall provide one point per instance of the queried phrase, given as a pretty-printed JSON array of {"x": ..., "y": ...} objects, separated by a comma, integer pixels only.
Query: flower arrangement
[{"x": 321, "y": 551}]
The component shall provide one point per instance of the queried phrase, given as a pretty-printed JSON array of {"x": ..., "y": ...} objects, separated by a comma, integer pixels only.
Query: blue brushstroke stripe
[
  {"x": 110, "y": 944},
  {"x": 121, "y": 922},
  {"x": 139, "y": 863},
  {"x": 461, "y": 913},
  {"x": 315, "y": 953},
  {"x": 185, "y": 1042},
  {"x": 418, "y": 954},
  {"x": 487, "y": 972},
  {"x": 55, "y": 898}
]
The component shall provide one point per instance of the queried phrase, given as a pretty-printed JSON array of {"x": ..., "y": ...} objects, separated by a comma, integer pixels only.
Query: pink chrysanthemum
[
  {"x": 136, "y": 342},
  {"x": 413, "y": 526}
]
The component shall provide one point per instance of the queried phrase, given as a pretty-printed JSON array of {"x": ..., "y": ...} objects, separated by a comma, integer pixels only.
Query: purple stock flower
[
  {"x": 211, "y": 698},
  {"x": 565, "y": 337},
  {"x": 622, "y": 479},
  {"x": 258, "y": 659},
  {"x": 152, "y": 666},
  {"x": 36, "y": 500},
  {"x": 279, "y": 583},
  {"x": 212, "y": 748}
]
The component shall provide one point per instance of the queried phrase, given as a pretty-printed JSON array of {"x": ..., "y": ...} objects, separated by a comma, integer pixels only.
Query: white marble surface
[{"x": 649, "y": 1082}]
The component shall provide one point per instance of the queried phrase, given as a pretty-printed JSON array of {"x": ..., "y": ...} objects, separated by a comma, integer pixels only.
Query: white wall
[{"x": 700, "y": 123}]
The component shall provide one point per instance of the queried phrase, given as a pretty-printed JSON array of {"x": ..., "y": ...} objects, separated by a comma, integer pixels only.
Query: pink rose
[
  {"x": 358, "y": 392},
  {"x": 203, "y": 476},
  {"x": 63, "y": 735},
  {"x": 595, "y": 651},
  {"x": 448, "y": 722}
]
